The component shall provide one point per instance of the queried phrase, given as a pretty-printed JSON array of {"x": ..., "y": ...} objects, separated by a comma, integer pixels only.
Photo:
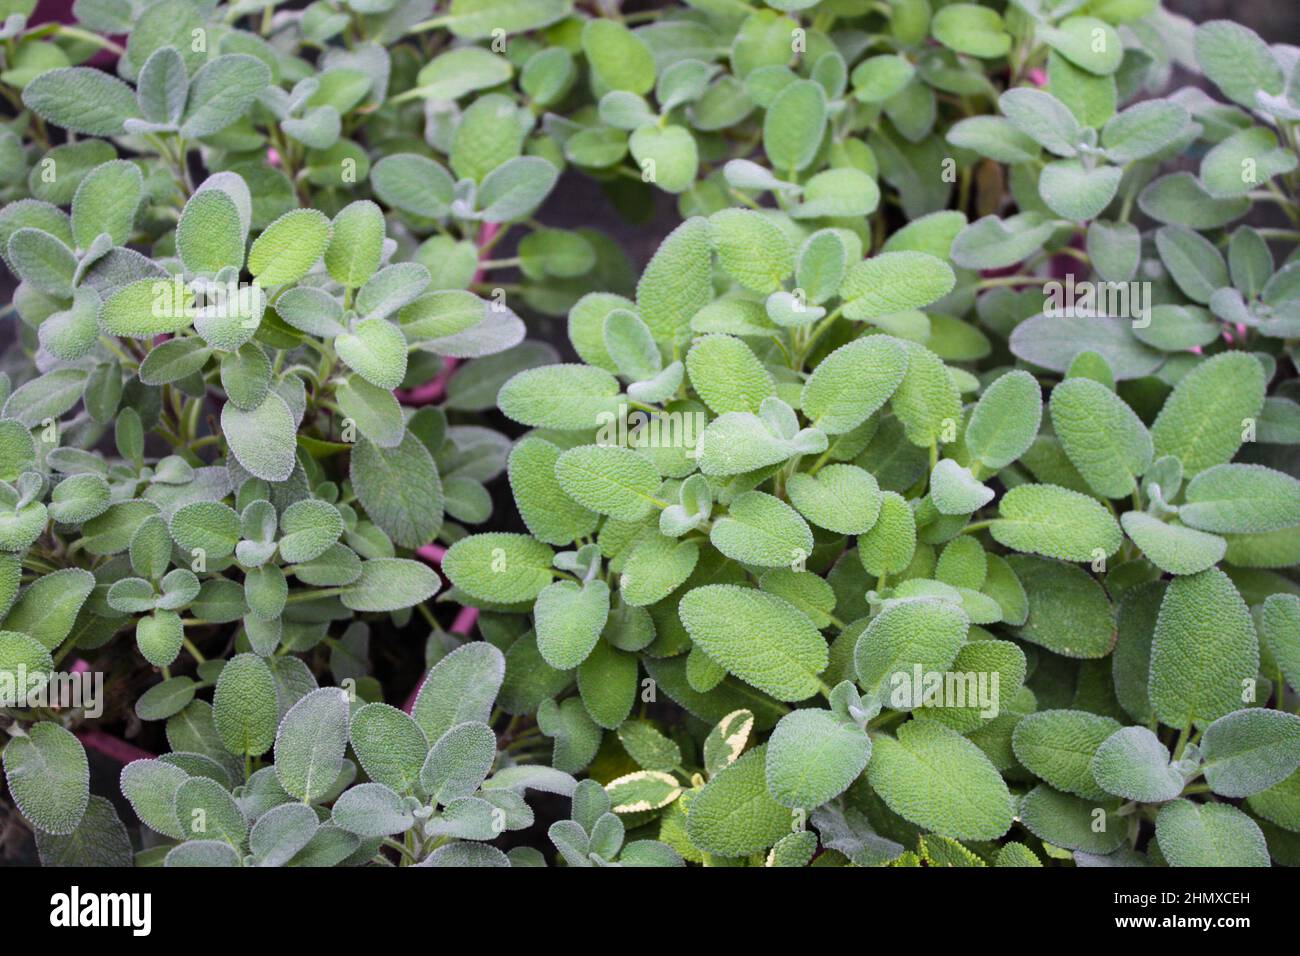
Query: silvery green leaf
[
  {"x": 1043, "y": 118},
  {"x": 746, "y": 174},
  {"x": 204, "y": 853},
  {"x": 478, "y": 19},
  {"x": 1115, "y": 249},
  {"x": 221, "y": 91},
  {"x": 524, "y": 777},
  {"x": 458, "y": 762},
  {"x": 414, "y": 184},
  {"x": 72, "y": 333},
  {"x": 955, "y": 491},
  {"x": 462, "y": 854},
  {"x": 1181, "y": 199},
  {"x": 1053, "y": 342},
  {"x": 462, "y": 70},
  {"x": 577, "y": 737},
  {"x": 1133, "y": 763},
  {"x": 515, "y": 188},
  {"x": 43, "y": 262},
  {"x": 993, "y": 243},
  {"x": 572, "y": 842},
  {"x": 624, "y": 110},
  {"x": 81, "y": 99},
  {"x": 790, "y": 311},
  {"x": 1209, "y": 834},
  {"x": 309, "y": 310},
  {"x": 372, "y": 810},
  {"x": 49, "y": 777},
  {"x": 150, "y": 786},
  {"x": 310, "y": 743},
  {"x": 683, "y": 82},
  {"x": 1250, "y": 750},
  {"x": 659, "y": 387},
  {"x": 779, "y": 417},
  {"x": 606, "y": 837},
  {"x": 631, "y": 345},
  {"x": 162, "y": 87},
  {"x": 47, "y": 396},
  {"x": 465, "y": 818},
  {"x": 460, "y": 687},
  {"x": 500, "y": 330},
  {"x": 738, "y": 442},
  {"x": 317, "y": 128},
  {"x": 845, "y": 192},
  {"x": 813, "y": 756},
  {"x": 99, "y": 840},
  {"x": 281, "y": 832},
  {"x": 390, "y": 289},
  {"x": 1237, "y": 61},
  {"x": 994, "y": 137},
  {"x": 1076, "y": 192}
]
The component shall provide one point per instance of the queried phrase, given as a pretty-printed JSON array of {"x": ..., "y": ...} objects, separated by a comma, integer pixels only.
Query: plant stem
[{"x": 76, "y": 33}]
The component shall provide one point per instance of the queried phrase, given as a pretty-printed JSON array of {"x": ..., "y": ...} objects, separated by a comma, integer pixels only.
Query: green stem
[
  {"x": 393, "y": 844},
  {"x": 76, "y": 33},
  {"x": 194, "y": 651},
  {"x": 817, "y": 332}
]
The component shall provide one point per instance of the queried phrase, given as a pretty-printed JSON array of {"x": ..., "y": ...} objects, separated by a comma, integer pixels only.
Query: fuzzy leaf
[
  {"x": 48, "y": 777},
  {"x": 1201, "y": 422},
  {"x": 904, "y": 634},
  {"x": 391, "y": 584},
  {"x": 1241, "y": 499},
  {"x": 1005, "y": 420},
  {"x": 262, "y": 439},
  {"x": 853, "y": 382},
  {"x": 762, "y": 639},
  {"x": 618, "y": 482},
  {"x": 400, "y": 488},
  {"x": 569, "y": 619},
  {"x": 1204, "y": 654},
  {"x": 460, "y": 687},
  {"x": 1132, "y": 763},
  {"x": 459, "y": 762},
  {"x": 1069, "y": 612},
  {"x": 82, "y": 100},
  {"x": 244, "y": 706},
  {"x": 1058, "y": 746},
  {"x": 1101, "y": 435},
  {"x": 889, "y": 545},
  {"x": 813, "y": 757},
  {"x": 840, "y": 498},
  {"x": 1172, "y": 547},
  {"x": 310, "y": 743},
  {"x": 762, "y": 530},
  {"x": 734, "y": 814},
  {"x": 1056, "y": 522},
  {"x": 1209, "y": 834},
  {"x": 1250, "y": 750},
  {"x": 933, "y": 777},
  {"x": 564, "y": 397},
  {"x": 288, "y": 248}
]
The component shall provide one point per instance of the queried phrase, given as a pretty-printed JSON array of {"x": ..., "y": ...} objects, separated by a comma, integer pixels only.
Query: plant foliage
[{"x": 930, "y": 498}]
